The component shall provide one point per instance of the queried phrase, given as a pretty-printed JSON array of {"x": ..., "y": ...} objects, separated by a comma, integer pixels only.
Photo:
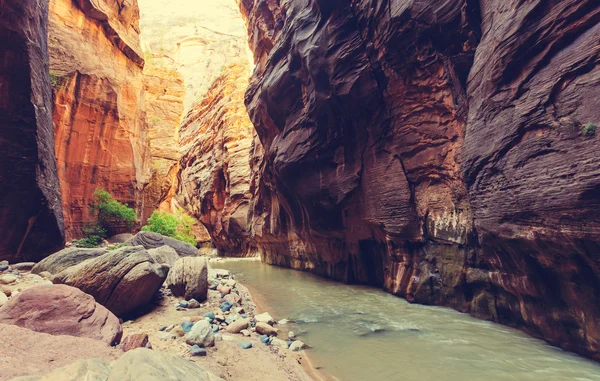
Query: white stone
[
  {"x": 264, "y": 318},
  {"x": 297, "y": 346}
]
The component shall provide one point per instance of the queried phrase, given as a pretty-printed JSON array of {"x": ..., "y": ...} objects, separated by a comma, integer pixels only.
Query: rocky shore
[{"x": 82, "y": 304}]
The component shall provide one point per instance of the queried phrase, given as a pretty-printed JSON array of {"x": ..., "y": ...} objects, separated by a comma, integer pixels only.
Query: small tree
[
  {"x": 111, "y": 214},
  {"x": 178, "y": 225}
]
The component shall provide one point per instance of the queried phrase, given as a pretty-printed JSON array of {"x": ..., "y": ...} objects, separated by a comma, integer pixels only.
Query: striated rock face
[
  {"x": 217, "y": 139},
  {"x": 99, "y": 120},
  {"x": 435, "y": 149},
  {"x": 31, "y": 219},
  {"x": 164, "y": 105}
]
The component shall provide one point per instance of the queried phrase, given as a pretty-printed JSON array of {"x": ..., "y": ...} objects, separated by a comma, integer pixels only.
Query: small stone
[
  {"x": 163, "y": 328},
  {"x": 193, "y": 303},
  {"x": 265, "y": 339},
  {"x": 210, "y": 316},
  {"x": 291, "y": 335},
  {"x": 213, "y": 287},
  {"x": 265, "y": 329},
  {"x": 225, "y": 306},
  {"x": 186, "y": 326},
  {"x": 224, "y": 290},
  {"x": 279, "y": 343},
  {"x": 195, "y": 350},
  {"x": 297, "y": 346},
  {"x": 264, "y": 318},
  {"x": 8, "y": 279},
  {"x": 179, "y": 331},
  {"x": 137, "y": 340},
  {"x": 3, "y": 267},
  {"x": 183, "y": 304},
  {"x": 283, "y": 322},
  {"x": 238, "y": 325},
  {"x": 245, "y": 332},
  {"x": 245, "y": 345}
]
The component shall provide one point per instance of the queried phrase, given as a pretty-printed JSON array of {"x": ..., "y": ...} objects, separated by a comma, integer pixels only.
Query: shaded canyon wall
[
  {"x": 31, "y": 219},
  {"x": 435, "y": 149},
  {"x": 99, "y": 116}
]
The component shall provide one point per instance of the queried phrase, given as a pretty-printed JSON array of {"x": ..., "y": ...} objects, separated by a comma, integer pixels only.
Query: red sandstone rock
[
  {"x": 31, "y": 218},
  {"x": 407, "y": 144},
  {"x": 137, "y": 340},
  {"x": 62, "y": 310}
]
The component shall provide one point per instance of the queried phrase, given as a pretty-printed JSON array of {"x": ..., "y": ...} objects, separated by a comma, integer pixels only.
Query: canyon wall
[
  {"x": 31, "y": 219},
  {"x": 218, "y": 140},
  {"x": 99, "y": 119},
  {"x": 436, "y": 149}
]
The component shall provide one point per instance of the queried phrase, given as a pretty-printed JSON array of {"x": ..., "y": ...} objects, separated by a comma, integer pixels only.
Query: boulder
[
  {"x": 238, "y": 325},
  {"x": 188, "y": 278},
  {"x": 138, "y": 364},
  {"x": 25, "y": 352},
  {"x": 265, "y": 329},
  {"x": 201, "y": 334},
  {"x": 136, "y": 340},
  {"x": 23, "y": 266},
  {"x": 165, "y": 255},
  {"x": 121, "y": 280},
  {"x": 151, "y": 240},
  {"x": 66, "y": 258},
  {"x": 61, "y": 310}
]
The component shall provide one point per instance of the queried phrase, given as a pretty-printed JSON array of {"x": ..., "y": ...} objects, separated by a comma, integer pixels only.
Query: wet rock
[
  {"x": 164, "y": 255},
  {"x": 61, "y": 310},
  {"x": 238, "y": 325},
  {"x": 121, "y": 280},
  {"x": 8, "y": 279},
  {"x": 136, "y": 340},
  {"x": 201, "y": 334},
  {"x": 245, "y": 344},
  {"x": 265, "y": 329},
  {"x": 66, "y": 258},
  {"x": 195, "y": 350},
  {"x": 297, "y": 346},
  {"x": 188, "y": 278},
  {"x": 264, "y": 318},
  {"x": 151, "y": 240}
]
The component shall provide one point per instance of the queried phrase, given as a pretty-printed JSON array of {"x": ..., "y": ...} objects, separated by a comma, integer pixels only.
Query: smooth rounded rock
[
  {"x": 8, "y": 279},
  {"x": 297, "y": 346},
  {"x": 188, "y": 278},
  {"x": 264, "y": 318},
  {"x": 245, "y": 344},
  {"x": 238, "y": 325},
  {"x": 195, "y": 350},
  {"x": 201, "y": 334},
  {"x": 265, "y": 329}
]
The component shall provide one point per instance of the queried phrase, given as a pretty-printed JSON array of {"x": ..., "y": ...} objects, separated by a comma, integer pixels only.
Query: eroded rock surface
[
  {"x": 99, "y": 119},
  {"x": 62, "y": 310},
  {"x": 189, "y": 278},
  {"x": 435, "y": 149},
  {"x": 151, "y": 240},
  {"x": 66, "y": 258},
  {"x": 122, "y": 280},
  {"x": 31, "y": 217}
]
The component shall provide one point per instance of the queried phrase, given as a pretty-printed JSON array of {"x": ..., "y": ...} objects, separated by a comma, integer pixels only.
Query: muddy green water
[{"x": 361, "y": 333}]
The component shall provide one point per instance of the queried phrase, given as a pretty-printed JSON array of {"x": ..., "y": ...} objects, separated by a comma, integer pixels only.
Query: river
[{"x": 362, "y": 333}]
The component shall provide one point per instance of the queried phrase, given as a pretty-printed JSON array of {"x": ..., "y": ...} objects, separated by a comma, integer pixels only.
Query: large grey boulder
[
  {"x": 151, "y": 240},
  {"x": 121, "y": 280},
  {"x": 66, "y": 258},
  {"x": 164, "y": 255},
  {"x": 138, "y": 364},
  {"x": 189, "y": 278}
]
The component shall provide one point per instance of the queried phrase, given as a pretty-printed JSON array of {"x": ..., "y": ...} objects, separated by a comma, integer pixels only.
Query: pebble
[
  {"x": 245, "y": 345},
  {"x": 193, "y": 303},
  {"x": 279, "y": 343},
  {"x": 265, "y": 329},
  {"x": 265, "y": 339},
  {"x": 210, "y": 316},
  {"x": 186, "y": 326},
  {"x": 245, "y": 332},
  {"x": 163, "y": 328},
  {"x": 264, "y": 318},
  {"x": 225, "y": 306},
  {"x": 179, "y": 331},
  {"x": 297, "y": 346},
  {"x": 3, "y": 267},
  {"x": 183, "y": 304},
  {"x": 238, "y": 325},
  {"x": 291, "y": 335},
  {"x": 195, "y": 350},
  {"x": 8, "y": 279}
]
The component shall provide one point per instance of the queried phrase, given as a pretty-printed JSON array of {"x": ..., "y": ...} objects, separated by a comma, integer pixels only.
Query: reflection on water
[{"x": 361, "y": 333}]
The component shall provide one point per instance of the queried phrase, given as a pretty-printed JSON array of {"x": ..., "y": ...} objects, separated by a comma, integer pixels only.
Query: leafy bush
[
  {"x": 88, "y": 242},
  {"x": 178, "y": 225},
  {"x": 111, "y": 214},
  {"x": 56, "y": 80},
  {"x": 590, "y": 129}
]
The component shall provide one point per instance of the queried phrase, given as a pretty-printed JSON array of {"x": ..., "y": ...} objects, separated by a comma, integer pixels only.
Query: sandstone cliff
[
  {"x": 99, "y": 120},
  {"x": 217, "y": 139},
  {"x": 164, "y": 105},
  {"x": 435, "y": 149},
  {"x": 31, "y": 221}
]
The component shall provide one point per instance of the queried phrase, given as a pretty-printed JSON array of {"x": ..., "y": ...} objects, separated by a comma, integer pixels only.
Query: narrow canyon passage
[{"x": 437, "y": 158}]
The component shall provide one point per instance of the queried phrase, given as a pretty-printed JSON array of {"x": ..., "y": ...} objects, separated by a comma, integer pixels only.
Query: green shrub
[
  {"x": 88, "y": 242},
  {"x": 178, "y": 225},
  {"x": 590, "y": 129},
  {"x": 111, "y": 214},
  {"x": 56, "y": 80}
]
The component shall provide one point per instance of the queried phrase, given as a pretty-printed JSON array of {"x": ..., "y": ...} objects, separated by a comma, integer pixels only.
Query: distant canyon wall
[
  {"x": 99, "y": 115},
  {"x": 31, "y": 219},
  {"x": 437, "y": 149}
]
